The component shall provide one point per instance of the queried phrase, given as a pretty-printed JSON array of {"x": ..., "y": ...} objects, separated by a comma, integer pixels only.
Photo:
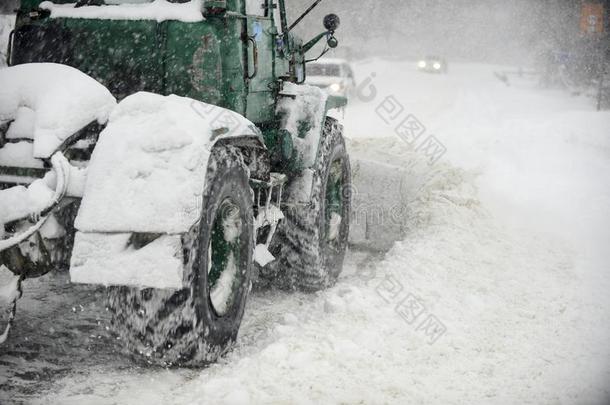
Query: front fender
[
  {"x": 145, "y": 186},
  {"x": 303, "y": 109},
  {"x": 148, "y": 168}
]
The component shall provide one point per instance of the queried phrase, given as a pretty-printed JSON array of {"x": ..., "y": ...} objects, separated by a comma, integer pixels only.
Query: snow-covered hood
[
  {"x": 148, "y": 169},
  {"x": 48, "y": 103}
]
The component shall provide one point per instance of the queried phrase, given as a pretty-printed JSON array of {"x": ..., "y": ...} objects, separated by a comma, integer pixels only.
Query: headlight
[
  {"x": 335, "y": 87},
  {"x": 421, "y": 64},
  {"x": 436, "y": 66}
]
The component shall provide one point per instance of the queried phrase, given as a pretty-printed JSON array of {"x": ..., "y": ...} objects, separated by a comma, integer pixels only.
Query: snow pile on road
[
  {"x": 148, "y": 169},
  {"x": 351, "y": 344},
  {"x": 457, "y": 312},
  {"x": 50, "y": 102},
  {"x": 157, "y": 10},
  {"x": 307, "y": 106},
  {"x": 480, "y": 302}
]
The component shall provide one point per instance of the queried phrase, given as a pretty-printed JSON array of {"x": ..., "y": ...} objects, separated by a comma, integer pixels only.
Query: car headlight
[
  {"x": 436, "y": 66},
  {"x": 421, "y": 64},
  {"x": 335, "y": 87}
]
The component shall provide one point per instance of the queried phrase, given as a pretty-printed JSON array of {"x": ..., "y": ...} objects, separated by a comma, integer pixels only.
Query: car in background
[
  {"x": 432, "y": 64},
  {"x": 335, "y": 76}
]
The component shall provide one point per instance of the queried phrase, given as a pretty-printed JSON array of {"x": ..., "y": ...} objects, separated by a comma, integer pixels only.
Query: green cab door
[{"x": 260, "y": 77}]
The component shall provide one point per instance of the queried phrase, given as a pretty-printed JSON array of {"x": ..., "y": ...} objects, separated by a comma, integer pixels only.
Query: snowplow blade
[{"x": 380, "y": 198}]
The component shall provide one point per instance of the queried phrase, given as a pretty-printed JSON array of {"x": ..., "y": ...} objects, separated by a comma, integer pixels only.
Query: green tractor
[{"x": 168, "y": 150}]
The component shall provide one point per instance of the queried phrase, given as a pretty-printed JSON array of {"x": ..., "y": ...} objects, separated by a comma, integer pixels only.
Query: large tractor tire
[
  {"x": 196, "y": 325},
  {"x": 311, "y": 242}
]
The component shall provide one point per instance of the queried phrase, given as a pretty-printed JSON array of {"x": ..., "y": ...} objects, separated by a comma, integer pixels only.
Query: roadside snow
[
  {"x": 511, "y": 330},
  {"x": 506, "y": 246},
  {"x": 158, "y": 10},
  {"x": 63, "y": 100}
]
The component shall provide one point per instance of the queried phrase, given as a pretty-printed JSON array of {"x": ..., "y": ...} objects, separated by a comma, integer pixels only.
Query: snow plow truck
[{"x": 168, "y": 150}]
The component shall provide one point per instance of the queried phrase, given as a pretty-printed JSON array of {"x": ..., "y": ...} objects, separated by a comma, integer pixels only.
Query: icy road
[{"x": 496, "y": 292}]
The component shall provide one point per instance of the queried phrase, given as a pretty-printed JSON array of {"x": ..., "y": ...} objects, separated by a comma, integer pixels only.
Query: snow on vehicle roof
[
  {"x": 158, "y": 10},
  {"x": 52, "y": 101}
]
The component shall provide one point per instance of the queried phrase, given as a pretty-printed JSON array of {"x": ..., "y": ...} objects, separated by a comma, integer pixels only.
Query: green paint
[{"x": 212, "y": 61}]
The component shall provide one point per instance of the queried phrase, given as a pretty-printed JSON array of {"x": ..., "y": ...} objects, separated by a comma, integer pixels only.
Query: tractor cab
[{"x": 234, "y": 53}]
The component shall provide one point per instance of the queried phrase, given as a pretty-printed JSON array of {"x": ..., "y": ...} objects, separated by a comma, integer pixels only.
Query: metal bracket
[{"x": 269, "y": 213}]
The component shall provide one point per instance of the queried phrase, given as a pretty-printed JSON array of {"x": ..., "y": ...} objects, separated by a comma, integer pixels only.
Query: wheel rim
[
  {"x": 334, "y": 203},
  {"x": 224, "y": 257}
]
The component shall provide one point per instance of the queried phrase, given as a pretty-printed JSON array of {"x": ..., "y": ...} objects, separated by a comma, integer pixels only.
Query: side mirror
[{"x": 332, "y": 22}]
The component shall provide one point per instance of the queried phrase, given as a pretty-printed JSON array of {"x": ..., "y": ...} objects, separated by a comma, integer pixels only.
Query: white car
[{"x": 333, "y": 75}]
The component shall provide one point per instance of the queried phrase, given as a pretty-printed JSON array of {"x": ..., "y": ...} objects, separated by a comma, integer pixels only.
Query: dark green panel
[
  {"x": 193, "y": 67},
  {"x": 125, "y": 56},
  {"x": 208, "y": 60}
]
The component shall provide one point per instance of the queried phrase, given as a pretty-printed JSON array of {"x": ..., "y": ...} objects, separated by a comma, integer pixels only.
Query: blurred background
[
  {"x": 564, "y": 40},
  {"x": 496, "y": 31}
]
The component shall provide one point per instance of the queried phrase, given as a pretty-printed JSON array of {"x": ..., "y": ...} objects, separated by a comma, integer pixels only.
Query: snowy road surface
[{"x": 496, "y": 293}]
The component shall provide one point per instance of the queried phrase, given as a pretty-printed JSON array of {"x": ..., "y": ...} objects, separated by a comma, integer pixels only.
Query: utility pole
[
  {"x": 593, "y": 28},
  {"x": 603, "y": 65}
]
